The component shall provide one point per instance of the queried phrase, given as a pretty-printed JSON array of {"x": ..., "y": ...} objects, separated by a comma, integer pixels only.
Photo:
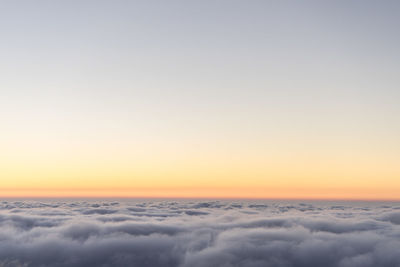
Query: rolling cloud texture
[{"x": 199, "y": 233}]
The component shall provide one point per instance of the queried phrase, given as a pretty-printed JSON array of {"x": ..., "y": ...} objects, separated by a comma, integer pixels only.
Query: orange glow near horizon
[
  {"x": 206, "y": 193},
  {"x": 261, "y": 177},
  {"x": 328, "y": 193}
]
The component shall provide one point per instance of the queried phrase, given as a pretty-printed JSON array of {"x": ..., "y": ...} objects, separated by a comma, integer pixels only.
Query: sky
[{"x": 243, "y": 99}]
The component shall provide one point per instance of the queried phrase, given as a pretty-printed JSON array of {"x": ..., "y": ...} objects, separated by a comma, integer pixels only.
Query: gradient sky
[{"x": 271, "y": 99}]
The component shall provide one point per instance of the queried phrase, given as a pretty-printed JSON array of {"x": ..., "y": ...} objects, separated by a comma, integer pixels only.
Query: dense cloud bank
[{"x": 199, "y": 233}]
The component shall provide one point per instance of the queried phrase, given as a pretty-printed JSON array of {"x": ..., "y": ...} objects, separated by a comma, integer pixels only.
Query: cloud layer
[{"x": 199, "y": 233}]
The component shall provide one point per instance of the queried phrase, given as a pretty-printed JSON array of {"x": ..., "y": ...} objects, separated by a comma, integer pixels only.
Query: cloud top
[{"x": 198, "y": 233}]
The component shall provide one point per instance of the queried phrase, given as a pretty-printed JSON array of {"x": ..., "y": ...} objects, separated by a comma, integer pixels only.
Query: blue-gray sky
[{"x": 188, "y": 84}]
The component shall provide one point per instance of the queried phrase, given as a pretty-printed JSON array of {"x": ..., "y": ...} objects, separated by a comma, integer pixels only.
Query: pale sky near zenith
[{"x": 269, "y": 99}]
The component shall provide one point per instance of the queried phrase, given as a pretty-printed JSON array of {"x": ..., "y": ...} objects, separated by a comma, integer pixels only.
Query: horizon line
[{"x": 204, "y": 198}]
